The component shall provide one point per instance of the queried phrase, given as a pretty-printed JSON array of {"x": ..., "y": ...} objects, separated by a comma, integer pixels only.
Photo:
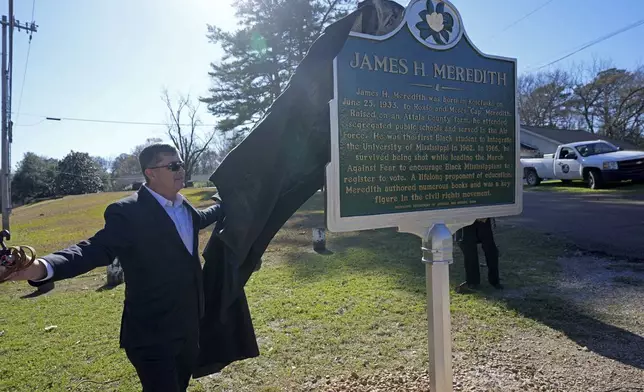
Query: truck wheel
[
  {"x": 532, "y": 178},
  {"x": 595, "y": 180}
]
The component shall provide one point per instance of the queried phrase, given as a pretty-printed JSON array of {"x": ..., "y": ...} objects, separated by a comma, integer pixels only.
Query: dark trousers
[
  {"x": 479, "y": 232},
  {"x": 165, "y": 369}
]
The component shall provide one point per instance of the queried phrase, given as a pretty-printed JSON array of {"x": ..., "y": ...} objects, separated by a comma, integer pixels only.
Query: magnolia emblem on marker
[{"x": 436, "y": 24}]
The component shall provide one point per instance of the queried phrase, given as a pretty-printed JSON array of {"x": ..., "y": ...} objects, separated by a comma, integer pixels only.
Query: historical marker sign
[{"x": 424, "y": 127}]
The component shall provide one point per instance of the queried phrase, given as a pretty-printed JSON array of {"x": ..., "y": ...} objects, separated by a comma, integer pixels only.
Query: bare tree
[
  {"x": 185, "y": 136},
  {"x": 611, "y": 101},
  {"x": 545, "y": 99},
  {"x": 127, "y": 164},
  {"x": 597, "y": 97},
  {"x": 587, "y": 90}
]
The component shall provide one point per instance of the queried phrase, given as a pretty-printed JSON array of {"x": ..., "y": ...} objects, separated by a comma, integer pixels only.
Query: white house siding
[
  {"x": 544, "y": 146},
  {"x": 528, "y": 153},
  {"x": 129, "y": 180}
]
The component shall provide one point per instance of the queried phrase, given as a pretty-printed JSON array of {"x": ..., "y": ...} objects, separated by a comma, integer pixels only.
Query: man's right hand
[{"x": 36, "y": 271}]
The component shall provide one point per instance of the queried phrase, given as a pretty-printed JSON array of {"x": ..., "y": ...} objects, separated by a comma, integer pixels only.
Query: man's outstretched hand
[{"x": 35, "y": 271}]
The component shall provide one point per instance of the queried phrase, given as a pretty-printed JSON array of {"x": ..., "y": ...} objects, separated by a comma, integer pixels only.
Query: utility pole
[
  {"x": 5, "y": 145},
  {"x": 8, "y": 24}
]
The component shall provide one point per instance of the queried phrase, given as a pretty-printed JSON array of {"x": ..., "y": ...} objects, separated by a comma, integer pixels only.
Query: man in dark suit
[
  {"x": 154, "y": 233},
  {"x": 468, "y": 239}
]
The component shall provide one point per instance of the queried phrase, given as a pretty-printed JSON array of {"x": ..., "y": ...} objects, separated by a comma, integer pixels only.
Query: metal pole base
[{"x": 437, "y": 256}]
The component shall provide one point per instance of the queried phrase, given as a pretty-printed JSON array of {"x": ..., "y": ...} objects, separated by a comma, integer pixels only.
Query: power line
[
  {"x": 107, "y": 121},
  {"x": 592, "y": 43},
  {"x": 24, "y": 75},
  {"x": 523, "y": 17},
  {"x": 30, "y": 125}
]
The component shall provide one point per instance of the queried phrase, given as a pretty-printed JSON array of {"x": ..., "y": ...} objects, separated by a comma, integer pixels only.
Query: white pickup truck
[{"x": 596, "y": 162}]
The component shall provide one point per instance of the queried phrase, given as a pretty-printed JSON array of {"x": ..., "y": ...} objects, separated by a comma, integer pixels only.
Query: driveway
[{"x": 610, "y": 223}]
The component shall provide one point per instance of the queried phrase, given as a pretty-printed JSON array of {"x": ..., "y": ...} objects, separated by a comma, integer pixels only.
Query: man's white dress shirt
[{"x": 179, "y": 214}]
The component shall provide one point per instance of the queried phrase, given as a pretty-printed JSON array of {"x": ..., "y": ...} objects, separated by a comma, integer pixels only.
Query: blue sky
[{"x": 110, "y": 59}]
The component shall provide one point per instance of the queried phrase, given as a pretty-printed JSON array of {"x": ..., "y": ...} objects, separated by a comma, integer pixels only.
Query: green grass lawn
[
  {"x": 360, "y": 308},
  {"x": 581, "y": 187}
]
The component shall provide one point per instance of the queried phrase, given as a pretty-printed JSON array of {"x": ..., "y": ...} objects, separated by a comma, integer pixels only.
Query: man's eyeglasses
[{"x": 172, "y": 166}]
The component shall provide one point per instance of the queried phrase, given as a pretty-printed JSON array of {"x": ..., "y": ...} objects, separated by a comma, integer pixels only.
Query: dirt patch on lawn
[
  {"x": 590, "y": 339},
  {"x": 513, "y": 366},
  {"x": 611, "y": 288}
]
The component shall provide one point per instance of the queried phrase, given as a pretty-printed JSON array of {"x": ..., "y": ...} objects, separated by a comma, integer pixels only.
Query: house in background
[
  {"x": 536, "y": 141},
  {"x": 133, "y": 181},
  {"x": 528, "y": 150}
]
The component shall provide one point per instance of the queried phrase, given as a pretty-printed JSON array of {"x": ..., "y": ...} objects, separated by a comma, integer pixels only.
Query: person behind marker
[{"x": 468, "y": 238}]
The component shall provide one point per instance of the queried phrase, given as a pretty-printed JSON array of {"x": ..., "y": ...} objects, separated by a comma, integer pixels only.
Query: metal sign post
[{"x": 437, "y": 256}]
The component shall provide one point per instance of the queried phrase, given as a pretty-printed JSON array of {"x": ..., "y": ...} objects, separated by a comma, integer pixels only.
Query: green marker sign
[{"x": 424, "y": 124}]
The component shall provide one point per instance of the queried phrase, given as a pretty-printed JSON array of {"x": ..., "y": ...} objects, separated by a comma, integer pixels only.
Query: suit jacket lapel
[{"x": 161, "y": 217}]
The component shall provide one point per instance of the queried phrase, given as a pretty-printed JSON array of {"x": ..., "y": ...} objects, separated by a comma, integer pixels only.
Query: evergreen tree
[
  {"x": 78, "y": 174},
  {"x": 105, "y": 165},
  {"x": 35, "y": 178},
  {"x": 261, "y": 56}
]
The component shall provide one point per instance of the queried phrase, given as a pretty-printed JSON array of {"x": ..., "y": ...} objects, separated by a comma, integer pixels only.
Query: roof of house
[
  {"x": 565, "y": 136},
  {"x": 528, "y": 147}
]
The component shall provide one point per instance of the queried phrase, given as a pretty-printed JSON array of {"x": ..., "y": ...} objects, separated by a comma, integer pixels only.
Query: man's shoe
[
  {"x": 498, "y": 286},
  {"x": 466, "y": 287}
]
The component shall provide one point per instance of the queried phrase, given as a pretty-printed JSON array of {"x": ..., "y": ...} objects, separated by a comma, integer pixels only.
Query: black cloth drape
[{"x": 262, "y": 182}]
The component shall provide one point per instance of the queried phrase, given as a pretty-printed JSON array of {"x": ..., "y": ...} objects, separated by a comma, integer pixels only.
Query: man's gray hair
[{"x": 151, "y": 155}]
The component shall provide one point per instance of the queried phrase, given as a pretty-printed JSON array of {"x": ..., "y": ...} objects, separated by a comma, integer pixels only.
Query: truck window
[
  {"x": 563, "y": 154},
  {"x": 595, "y": 149}
]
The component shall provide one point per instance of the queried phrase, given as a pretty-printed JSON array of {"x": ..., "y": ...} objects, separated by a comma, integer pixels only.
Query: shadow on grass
[
  {"x": 528, "y": 267},
  {"x": 301, "y": 220},
  {"x": 44, "y": 289},
  {"x": 314, "y": 204},
  {"x": 106, "y": 287},
  {"x": 604, "y": 339}
]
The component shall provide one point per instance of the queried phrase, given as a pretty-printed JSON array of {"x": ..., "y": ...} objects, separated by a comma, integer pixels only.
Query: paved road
[{"x": 598, "y": 222}]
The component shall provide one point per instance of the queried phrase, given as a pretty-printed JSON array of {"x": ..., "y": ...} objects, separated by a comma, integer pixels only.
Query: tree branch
[
  {"x": 326, "y": 16},
  {"x": 188, "y": 143}
]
